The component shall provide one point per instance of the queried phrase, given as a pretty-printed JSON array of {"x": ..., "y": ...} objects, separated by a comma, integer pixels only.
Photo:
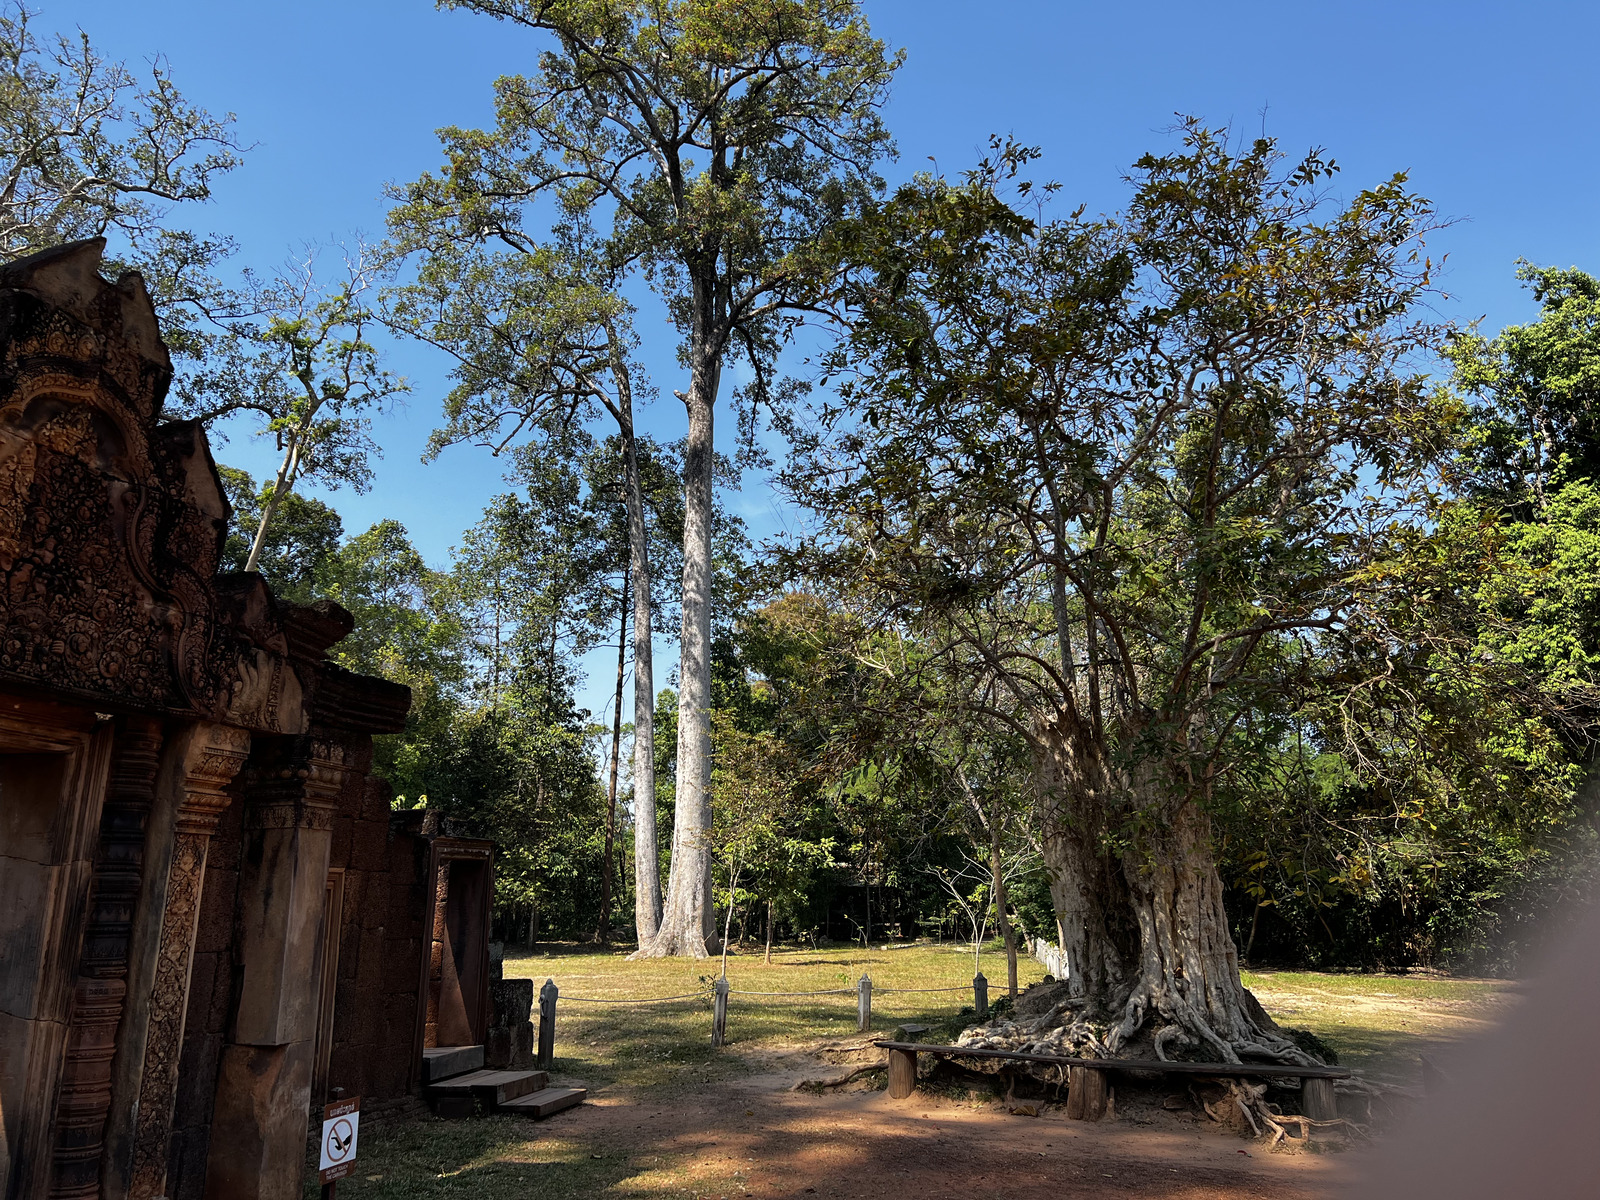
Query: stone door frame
[{"x": 83, "y": 739}]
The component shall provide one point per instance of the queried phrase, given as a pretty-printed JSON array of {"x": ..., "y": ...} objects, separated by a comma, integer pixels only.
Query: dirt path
[{"x": 755, "y": 1137}]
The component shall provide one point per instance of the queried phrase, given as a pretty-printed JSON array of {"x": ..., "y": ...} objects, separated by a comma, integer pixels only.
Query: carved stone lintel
[
  {"x": 214, "y": 761},
  {"x": 302, "y": 790},
  {"x": 216, "y": 755}
]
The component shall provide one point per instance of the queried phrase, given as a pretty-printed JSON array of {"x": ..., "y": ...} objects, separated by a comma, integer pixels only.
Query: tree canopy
[{"x": 1176, "y": 583}]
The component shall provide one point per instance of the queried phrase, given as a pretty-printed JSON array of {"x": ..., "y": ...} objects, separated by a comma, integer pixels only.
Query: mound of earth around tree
[{"x": 1045, "y": 1019}]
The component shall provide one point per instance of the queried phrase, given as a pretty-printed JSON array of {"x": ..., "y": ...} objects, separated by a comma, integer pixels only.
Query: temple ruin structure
[{"x": 209, "y": 918}]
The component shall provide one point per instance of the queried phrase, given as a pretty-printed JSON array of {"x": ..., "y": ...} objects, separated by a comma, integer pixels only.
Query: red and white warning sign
[{"x": 341, "y": 1123}]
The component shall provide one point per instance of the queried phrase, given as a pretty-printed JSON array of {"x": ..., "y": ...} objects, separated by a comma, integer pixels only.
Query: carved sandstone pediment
[{"x": 112, "y": 525}]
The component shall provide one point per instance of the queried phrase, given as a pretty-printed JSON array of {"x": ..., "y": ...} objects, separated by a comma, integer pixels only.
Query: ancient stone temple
[{"x": 208, "y": 918}]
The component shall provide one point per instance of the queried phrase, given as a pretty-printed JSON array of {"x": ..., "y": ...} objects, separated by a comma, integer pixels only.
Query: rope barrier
[{"x": 878, "y": 991}]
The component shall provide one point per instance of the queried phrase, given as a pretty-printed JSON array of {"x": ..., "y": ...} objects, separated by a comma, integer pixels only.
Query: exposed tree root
[
  {"x": 806, "y": 1084},
  {"x": 1264, "y": 1120},
  {"x": 1184, "y": 1024}
]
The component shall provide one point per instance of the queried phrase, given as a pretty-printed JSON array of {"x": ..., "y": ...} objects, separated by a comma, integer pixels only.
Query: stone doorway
[
  {"x": 53, "y": 766},
  {"x": 458, "y": 962},
  {"x": 332, "y": 928}
]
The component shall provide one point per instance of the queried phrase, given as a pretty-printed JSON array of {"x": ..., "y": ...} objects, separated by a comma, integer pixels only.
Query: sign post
[{"x": 341, "y": 1123}]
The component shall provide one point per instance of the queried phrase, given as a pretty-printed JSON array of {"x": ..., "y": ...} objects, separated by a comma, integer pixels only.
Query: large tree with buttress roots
[{"x": 1135, "y": 486}]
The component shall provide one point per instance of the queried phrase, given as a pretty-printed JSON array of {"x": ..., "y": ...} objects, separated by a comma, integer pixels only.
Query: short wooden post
[
  {"x": 1319, "y": 1099},
  {"x": 719, "y": 1012},
  {"x": 1086, "y": 1093},
  {"x": 864, "y": 1004},
  {"x": 902, "y": 1073},
  {"x": 547, "y": 1023},
  {"x": 980, "y": 995}
]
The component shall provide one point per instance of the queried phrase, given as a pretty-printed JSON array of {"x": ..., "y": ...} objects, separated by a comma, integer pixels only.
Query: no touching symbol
[{"x": 339, "y": 1139}]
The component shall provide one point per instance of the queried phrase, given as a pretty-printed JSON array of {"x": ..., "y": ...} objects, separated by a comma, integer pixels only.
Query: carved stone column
[
  {"x": 97, "y": 1002},
  {"x": 258, "y": 1126},
  {"x": 213, "y": 761}
]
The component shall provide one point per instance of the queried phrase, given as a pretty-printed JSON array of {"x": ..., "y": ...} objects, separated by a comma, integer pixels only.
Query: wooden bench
[{"x": 1086, "y": 1077}]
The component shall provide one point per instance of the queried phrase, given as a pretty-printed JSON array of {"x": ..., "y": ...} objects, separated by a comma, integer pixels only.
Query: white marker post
[{"x": 341, "y": 1123}]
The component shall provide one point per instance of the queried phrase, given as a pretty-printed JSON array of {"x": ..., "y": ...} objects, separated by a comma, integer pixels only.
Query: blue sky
[{"x": 1488, "y": 106}]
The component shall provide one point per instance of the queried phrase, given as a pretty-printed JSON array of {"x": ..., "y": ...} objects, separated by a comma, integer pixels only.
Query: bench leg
[
  {"x": 1086, "y": 1093},
  {"x": 1319, "y": 1099},
  {"x": 902, "y": 1073}
]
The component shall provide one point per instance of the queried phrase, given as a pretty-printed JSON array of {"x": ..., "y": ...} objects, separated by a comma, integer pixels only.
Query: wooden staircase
[{"x": 456, "y": 1084}]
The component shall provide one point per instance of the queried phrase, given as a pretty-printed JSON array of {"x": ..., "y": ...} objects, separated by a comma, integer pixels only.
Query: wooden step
[
  {"x": 493, "y": 1088},
  {"x": 443, "y": 1062},
  {"x": 454, "y": 1107},
  {"x": 547, "y": 1102}
]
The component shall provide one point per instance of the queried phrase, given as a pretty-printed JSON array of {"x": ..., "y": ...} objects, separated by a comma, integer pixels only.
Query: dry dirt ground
[
  {"x": 755, "y": 1136},
  {"x": 668, "y": 1117}
]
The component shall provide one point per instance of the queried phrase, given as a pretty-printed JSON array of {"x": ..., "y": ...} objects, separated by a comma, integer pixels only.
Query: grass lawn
[
  {"x": 669, "y": 1045},
  {"x": 659, "y": 1051},
  {"x": 661, "y": 1054},
  {"x": 1379, "y": 1024}
]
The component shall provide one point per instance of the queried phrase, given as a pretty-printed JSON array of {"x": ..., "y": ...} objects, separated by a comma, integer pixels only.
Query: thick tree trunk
[
  {"x": 1144, "y": 930},
  {"x": 687, "y": 919},
  {"x": 1187, "y": 990},
  {"x": 1096, "y": 932}
]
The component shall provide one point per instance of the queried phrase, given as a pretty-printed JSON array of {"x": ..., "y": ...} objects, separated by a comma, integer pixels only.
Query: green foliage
[
  {"x": 1538, "y": 388},
  {"x": 715, "y": 138},
  {"x": 300, "y": 363},
  {"x": 301, "y": 543},
  {"x": 493, "y": 739},
  {"x": 89, "y": 149},
  {"x": 767, "y": 844},
  {"x": 1467, "y": 850},
  {"x": 1173, "y": 492}
]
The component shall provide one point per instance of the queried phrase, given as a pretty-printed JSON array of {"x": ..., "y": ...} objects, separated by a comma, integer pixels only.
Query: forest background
[{"x": 334, "y": 102}]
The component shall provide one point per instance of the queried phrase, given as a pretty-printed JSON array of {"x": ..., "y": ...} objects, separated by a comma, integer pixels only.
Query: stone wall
[{"x": 183, "y": 763}]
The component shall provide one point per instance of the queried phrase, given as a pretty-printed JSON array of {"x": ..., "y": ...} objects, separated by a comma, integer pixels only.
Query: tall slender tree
[
  {"x": 719, "y": 141},
  {"x": 540, "y": 340},
  {"x": 296, "y": 356},
  {"x": 617, "y": 485}
]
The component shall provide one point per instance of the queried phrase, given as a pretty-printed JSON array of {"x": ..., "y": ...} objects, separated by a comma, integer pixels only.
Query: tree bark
[
  {"x": 603, "y": 924},
  {"x": 282, "y": 486},
  {"x": 1144, "y": 930},
  {"x": 769, "y": 931},
  {"x": 1085, "y": 885},
  {"x": 997, "y": 885},
  {"x": 687, "y": 918},
  {"x": 646, "y": 861}
]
